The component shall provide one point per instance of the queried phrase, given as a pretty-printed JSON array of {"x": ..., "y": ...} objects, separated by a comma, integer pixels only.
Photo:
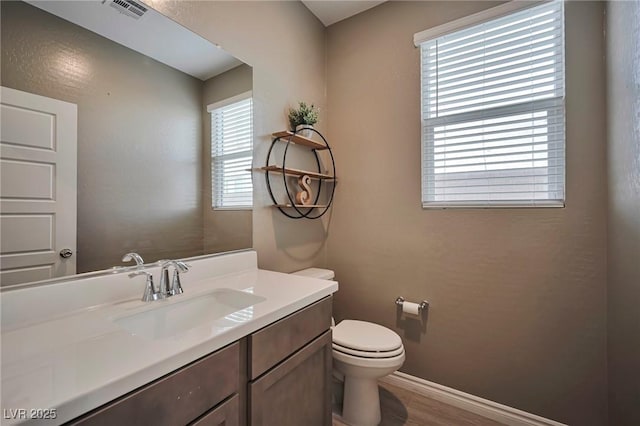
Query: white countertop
[{"x": 78, "y": 360}]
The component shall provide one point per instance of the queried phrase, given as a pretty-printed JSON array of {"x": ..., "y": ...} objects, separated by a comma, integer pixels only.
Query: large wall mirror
[{"x": 151, "y": 100}]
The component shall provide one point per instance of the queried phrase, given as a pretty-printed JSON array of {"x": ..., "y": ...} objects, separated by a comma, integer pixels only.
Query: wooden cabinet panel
[
  {"x": 296, "y": 392},
  {"x": 177, "y": 398},
  {"x": 274, "y": 343},
  {"x": 226, "y": 414}
]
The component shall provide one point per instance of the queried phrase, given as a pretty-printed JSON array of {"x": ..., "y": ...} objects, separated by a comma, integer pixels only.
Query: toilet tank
[{"x": 323, "y": 274}]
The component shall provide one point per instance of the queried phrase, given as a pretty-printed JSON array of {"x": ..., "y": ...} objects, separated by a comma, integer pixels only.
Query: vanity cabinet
[
  {"x": 290, "y": 365},
  {"x": 277, "y": 376}
]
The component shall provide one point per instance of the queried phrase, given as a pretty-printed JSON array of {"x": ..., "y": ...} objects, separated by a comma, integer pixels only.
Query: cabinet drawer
[
  {"x": 177, "y": 398},
  {"x": 227, "y": 414},
  {"x": 274, "y": 343}
]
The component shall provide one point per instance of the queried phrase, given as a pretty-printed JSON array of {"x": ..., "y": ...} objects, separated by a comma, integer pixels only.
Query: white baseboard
[{"x": 483, "y": 407}]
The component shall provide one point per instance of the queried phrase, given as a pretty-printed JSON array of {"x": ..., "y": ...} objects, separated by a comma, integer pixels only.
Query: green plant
[{"x": 304, "y": 114}]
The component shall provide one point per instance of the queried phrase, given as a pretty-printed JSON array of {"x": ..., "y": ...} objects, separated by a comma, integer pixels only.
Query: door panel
[
  {"x": 23, "y": 261},
  {"x": 39, "y": 185},
  {"x": 17, "y": 276},
  {"x": 27, "y": 127},
  {"x": 38, "y": 163},
  {"x": 22, "y": 233}
]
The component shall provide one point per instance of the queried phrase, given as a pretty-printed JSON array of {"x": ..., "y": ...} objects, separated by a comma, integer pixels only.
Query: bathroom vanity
[{"x": 240, "y": 346}]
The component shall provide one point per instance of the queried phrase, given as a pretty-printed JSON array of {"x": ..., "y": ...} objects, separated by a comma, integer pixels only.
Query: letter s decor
[{"x": 304, "y": 196}]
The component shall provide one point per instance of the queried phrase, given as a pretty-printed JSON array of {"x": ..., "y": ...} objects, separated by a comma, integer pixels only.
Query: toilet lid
[{"x": 365, "y": 336}]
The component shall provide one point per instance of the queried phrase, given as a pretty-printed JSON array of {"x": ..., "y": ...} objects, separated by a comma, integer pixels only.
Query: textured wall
[
  {"x": 285, "y": 45},
  {"x": 518, "y": 296},
  {"x": 139, "y": 136},
  {"x": 224, "y": 230},
  {"x": 623, "y": 113}
]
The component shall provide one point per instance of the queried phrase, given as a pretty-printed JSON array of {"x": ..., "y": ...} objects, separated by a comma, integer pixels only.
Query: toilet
[{"x": 363, "y": 352}]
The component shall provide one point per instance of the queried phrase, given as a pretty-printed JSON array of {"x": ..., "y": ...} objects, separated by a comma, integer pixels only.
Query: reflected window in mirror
[{"x": 232, "y": 152}]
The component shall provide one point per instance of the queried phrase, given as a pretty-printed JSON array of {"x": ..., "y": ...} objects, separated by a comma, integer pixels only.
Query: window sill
[
  {"x": 231, "y": 208},
  {"x": 493, "y": 205}
]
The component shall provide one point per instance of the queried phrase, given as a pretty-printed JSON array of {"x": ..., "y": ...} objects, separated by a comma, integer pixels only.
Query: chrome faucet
[
  {"x": 135, "y": 257},
  {"x": 176, "y": 285},
  {"x": 165, "y": 289},
  {"x": 150, "y": 293}
]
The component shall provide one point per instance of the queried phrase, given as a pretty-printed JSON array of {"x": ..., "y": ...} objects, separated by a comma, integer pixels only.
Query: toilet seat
[
  {"x": 393, "y": 362},
  {"x": 365, "y": 338},
  {"x": 368, "y": 354}
]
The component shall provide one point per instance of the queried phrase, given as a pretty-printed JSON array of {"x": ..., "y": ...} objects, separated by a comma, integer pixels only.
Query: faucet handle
[
  {"x": 179, "y": 264},
  {"x": 176, "y": 285},
  {"x": 150, "y": 292},
  {"x": 135, "y": 257},
  {"x": 182, "y": 266}
]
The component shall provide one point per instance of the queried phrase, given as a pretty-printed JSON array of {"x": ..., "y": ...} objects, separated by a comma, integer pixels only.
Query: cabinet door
[{"x": 296, "y": 392}]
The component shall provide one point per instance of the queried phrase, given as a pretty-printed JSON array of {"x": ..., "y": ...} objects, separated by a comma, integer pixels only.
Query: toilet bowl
[{"x": 363, "y": 352}]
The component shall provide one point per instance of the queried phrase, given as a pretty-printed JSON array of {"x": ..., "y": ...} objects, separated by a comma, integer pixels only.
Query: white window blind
[
  {"x": 232, "y": 154},
  {"x": 493, "y": 112}
]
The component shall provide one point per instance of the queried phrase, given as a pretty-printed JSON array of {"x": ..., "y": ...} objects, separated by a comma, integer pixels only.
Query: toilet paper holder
[{"x": 422, "y": 306}]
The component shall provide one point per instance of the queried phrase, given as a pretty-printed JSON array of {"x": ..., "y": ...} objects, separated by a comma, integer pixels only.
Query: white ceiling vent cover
[{"x": 129, "y": 8}]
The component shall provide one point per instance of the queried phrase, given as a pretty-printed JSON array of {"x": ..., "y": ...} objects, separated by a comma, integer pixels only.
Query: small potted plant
[{"x": 303, "y": 118}]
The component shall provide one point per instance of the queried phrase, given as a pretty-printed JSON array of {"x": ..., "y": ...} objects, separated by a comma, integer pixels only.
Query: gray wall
[
  {"x": 518, "y": 296},
  {"x": 224, "y": 230},
  {"x": 623, "y": 114},
  {"x": 285, "y": 45},
  {"x": 139, "y": 136}
]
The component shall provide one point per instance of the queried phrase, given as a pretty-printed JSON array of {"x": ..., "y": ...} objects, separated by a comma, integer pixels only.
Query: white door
[{"x": 38, "y": 151}]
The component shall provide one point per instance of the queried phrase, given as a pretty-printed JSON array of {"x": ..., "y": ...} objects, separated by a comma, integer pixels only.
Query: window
[
  {"x": 232, "y": 153},
  {"x": 493, "y": 109}
]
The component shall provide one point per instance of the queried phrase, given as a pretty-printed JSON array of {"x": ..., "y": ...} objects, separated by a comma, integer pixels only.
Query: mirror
[{"x": 141, "y": 84}]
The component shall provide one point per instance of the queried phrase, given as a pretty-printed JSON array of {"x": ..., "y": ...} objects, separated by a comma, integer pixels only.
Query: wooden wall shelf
[
  {"x": 299, "y": 140},
  {"x": 296, "y": 172},
  {"x": 301, "y": 206},
  {"x": 300, "y": 211}
]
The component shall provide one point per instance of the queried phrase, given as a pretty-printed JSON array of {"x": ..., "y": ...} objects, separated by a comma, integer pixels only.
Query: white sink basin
[{"x": 176, "y": 318}]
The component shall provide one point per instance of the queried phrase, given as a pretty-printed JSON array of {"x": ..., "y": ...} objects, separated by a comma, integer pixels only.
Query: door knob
[{"x": 66, "y": 253}]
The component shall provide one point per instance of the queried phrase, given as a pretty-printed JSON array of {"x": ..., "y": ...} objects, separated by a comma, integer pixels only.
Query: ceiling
[
  {"x": 331, "y": 11},
  {"x": 153, "y": 35}
]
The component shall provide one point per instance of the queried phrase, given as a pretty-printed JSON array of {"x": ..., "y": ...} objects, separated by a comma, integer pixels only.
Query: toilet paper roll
[{"x": 410, "y": 308}]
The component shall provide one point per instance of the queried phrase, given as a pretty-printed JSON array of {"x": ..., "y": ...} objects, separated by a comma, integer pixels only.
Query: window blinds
[
  {"x": 231, "y": 155},
  {"x": 493, "y": 112}
]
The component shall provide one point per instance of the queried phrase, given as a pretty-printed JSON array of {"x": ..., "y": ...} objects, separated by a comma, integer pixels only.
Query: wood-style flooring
[{"x": 402, "y": 407}]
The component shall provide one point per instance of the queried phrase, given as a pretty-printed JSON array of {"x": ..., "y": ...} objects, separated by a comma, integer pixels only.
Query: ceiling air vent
[{"x": 129, "y": 7}]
